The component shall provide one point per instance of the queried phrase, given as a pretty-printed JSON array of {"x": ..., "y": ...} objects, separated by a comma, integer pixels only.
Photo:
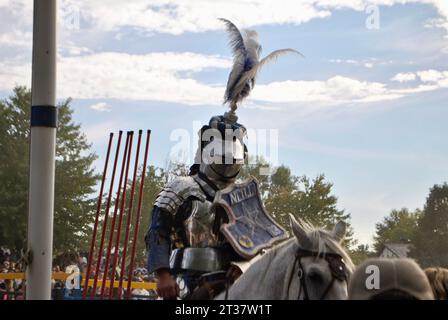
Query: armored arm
[
  {"x": 172, "y": 205},
  {"x": 158, "y": 239}
]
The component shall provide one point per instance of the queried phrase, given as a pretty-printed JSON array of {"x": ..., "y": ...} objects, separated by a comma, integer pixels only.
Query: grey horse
[{"x": 311, "y": 265}]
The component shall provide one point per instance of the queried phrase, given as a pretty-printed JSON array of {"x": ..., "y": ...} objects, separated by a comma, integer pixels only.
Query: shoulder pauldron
[{"x": 176, "y": 192}]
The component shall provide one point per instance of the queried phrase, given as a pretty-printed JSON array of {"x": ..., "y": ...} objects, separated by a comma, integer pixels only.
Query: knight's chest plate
[{"x": 199, "y": 225}]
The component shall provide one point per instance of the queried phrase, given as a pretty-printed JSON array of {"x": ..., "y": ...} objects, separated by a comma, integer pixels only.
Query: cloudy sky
[{"x": 367, "y": 106}]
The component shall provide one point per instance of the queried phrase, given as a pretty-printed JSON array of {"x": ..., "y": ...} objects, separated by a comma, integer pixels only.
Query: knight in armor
[
  {"x": 188, "y": 253},
  {"x": 184, "y": 237}
]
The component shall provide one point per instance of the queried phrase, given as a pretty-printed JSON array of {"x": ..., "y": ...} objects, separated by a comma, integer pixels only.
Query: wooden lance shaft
[
  {"x": 106, "y": 215},
  {"x": 114, "y": 218},
  {"x": 137, "y": 218},
  {"x": 120, "y": 218},
  {"x": 129, "y": 217},
  {"x": 95, "y": 226}
]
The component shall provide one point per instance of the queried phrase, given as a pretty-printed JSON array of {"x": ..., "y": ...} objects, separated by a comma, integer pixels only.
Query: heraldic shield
[{"x": 250, "y": 228}]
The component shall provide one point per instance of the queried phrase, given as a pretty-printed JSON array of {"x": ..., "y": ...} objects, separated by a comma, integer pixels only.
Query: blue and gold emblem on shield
[{"x": 250, "y": 228}]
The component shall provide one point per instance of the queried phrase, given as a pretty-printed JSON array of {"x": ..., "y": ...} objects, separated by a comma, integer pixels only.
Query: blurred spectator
[
  {"x": 68, "y": 262},
  {"x": 57, "y": 286},
  {"x": 438, "y": 279},
  {"x": 139, "y": 293},
  {"x": 389, "y": 279},
  {"x": 5, "y": 267},
  {"x": 5, "y": 254},
  {"x": 74, "y": 291},
  {"x": 19, "y": 267}
]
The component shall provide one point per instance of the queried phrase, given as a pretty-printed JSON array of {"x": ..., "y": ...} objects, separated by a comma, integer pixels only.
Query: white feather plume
[{"x": 246, "y": 51}]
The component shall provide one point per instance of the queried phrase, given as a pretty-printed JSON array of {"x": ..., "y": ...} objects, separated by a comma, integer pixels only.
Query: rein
[{"x": 337, "y": 268}]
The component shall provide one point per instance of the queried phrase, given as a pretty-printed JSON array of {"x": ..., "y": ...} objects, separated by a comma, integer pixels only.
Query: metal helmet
[{"x": 222, "y": 149}]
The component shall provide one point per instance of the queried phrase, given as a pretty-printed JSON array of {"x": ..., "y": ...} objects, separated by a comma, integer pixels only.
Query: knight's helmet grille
[{"x": 223, "y": 124}]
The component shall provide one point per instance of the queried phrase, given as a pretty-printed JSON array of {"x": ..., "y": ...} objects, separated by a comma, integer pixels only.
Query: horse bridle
[{"x": 335, "y": 262}]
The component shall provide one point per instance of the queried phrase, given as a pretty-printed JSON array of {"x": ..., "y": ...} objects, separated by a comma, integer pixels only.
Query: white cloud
[
  {"x": 432, "y": 79},
  {"x": 168, "y": 77},
  {"x": 70, "y": 49},
  {"x": 442, "y": 8},
  {"x": 339, "y": 90},
  {"x": 13, "y": 73},
  {"x": 336, "y": 90},
  {"x": 179, "y": 16},
  {"x": 441, "y": 23},
  {"x": 101, "y": 107},
  {"x": 154, "y": 76},
  {"x": 432, "y": 75},
  {"x": 176, "y": 16},
  {"x": 404, "y": 77},
  {"x": 366, "y": 63},
  {"x": 16, "y": 38},
  {"x": 158, "y": 77},
  {"x": 16, "y": 24}
]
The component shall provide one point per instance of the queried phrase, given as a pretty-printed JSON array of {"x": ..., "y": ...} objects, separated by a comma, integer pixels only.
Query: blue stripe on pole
[{"x": 44, "y": 116}]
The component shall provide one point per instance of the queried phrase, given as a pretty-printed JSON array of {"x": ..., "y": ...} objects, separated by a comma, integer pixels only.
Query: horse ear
[
  {"x": 339, "y": 231},
  {"x": 300, "y": 233}
]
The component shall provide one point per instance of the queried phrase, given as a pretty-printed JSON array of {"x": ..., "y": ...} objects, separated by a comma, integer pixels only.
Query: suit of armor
[{"x": 184, "y": 235}]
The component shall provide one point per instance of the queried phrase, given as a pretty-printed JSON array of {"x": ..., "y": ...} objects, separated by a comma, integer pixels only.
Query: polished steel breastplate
[{"x": 199, "y": 225}]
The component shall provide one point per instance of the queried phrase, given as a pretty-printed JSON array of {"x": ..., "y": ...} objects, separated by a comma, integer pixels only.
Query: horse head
[
  {"x": 311, "y": 265},
  {"x": 321, "y": 267}
]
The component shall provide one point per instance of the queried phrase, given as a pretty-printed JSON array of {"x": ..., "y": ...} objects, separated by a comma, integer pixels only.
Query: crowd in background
[
  {"x": 401, "y": 279},
  {"x": 11, "y": 289},
  {"x": 14, "y": 289}
]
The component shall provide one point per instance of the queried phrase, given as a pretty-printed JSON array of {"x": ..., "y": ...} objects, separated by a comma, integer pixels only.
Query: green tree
[
  {"x": 431, "y": 238},
  {"x": 311, "y": 199},
  {"x": 75, "y": 179},
  {"x": 255, "y": 169},
  {"x": 14, "y": 164},
  {"x": 360, "y": 253},
  {"x": 398, "y": 227}
]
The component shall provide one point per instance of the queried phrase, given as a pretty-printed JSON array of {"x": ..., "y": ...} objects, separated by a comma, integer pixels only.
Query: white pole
[{"x": 42, "y": 151}]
